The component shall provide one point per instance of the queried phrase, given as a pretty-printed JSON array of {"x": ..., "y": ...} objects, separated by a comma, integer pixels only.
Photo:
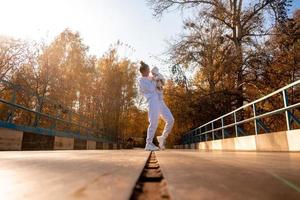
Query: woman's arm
[{"x": 147, "y": 87}]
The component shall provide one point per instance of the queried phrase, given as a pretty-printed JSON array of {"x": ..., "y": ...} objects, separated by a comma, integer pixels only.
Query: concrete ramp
[
  {"x": 93, "y": 174},
  {"x": 173, "y": 174},
  {"x": 191, "y": 174},
  {"x": 284, "y": 141}
]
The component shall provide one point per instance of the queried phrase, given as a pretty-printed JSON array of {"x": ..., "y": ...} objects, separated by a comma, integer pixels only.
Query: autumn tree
[
  {"x": 12, "y": 54},
  {"x": 241, "y": 20},
  {"x": 70, "y": 67},
  {"x": 283, "y": 48},
  {"x": 114, "y": 91}
]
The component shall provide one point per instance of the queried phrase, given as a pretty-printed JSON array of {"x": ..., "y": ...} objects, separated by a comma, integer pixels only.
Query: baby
[{"x": 158, "y": 78}]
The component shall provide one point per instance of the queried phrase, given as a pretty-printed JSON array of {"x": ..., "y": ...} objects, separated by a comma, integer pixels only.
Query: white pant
[{"x": 157, "y": 108}]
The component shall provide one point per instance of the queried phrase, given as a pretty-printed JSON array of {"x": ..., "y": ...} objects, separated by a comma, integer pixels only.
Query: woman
[{"x": 156, "y": 108}]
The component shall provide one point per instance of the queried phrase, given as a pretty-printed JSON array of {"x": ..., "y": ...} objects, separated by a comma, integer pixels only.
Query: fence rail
[
  {"x": 210, "y": 128},
  {"x": 78, "y": 125}
]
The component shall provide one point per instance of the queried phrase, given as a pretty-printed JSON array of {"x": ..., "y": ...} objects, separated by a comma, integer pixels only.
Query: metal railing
[
  {"x": 209, "y": 129},
  {"x": 78, "y": 126}
]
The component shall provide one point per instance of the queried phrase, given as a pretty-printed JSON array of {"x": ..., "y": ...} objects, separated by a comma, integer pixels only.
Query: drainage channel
[{"x": 151, "y": 183}]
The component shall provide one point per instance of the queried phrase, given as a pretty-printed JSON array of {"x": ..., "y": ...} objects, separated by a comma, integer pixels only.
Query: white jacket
[{"x": 148, "y": 89}]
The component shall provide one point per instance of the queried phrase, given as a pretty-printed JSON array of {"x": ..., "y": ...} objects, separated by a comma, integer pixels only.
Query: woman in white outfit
[{"x": 156, "y": 108}]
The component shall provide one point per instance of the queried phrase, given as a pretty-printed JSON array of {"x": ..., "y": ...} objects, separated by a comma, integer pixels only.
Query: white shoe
[
  {"x": 161, "y": 140},
  {"x": 151, "y": 147}
]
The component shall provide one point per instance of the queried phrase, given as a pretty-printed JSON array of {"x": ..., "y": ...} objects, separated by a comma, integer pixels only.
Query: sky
[{"x": 99, "y": 22}]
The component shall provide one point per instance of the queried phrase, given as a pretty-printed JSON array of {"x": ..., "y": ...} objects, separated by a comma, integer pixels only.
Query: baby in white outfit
[{"x": 158, "y": 78}]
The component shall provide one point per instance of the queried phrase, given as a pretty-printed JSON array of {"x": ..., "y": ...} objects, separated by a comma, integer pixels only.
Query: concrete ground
[
  {"x": 112, "y": 174},
  {"x": 94, "y": 174},
  {"x": 199, "y": 175}
]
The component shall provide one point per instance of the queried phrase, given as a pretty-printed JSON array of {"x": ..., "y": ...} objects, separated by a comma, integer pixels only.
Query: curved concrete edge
[
  {"x": 272, "y": 142},
  {"x": 12, "y": 140},
  {"x": 105, "y": 146},
  {"x": 91, "y": 145},
  {"x": 248, "y": 143},
  {"x": 278, "y": 141},
  {"x": 115, "y": 146},
  {"x": 293, "y": 139},
  {"x": 63, "y": 143}
]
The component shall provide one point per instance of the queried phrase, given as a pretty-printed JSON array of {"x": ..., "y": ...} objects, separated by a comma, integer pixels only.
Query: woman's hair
[{"x": 143, "y": 66}]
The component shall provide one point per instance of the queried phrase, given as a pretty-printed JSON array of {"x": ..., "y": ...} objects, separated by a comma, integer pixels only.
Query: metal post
[
  {"x": 287, "y": 116},
  {"x": 79, "y": 123},
  {"x": 200, "y": 134},
  {"x": 70, "y": 119},
  {"x": 205, "y": 133},
  {"x": 255, "y": 120},
  {"x": 222, "y": 121},
  {"x": 194, "y": 136},
  {"x": 37, "y": 111},
  {"x": 236, "y": 130},
  {"x": 213, "y": 133},
  {"x": 53, "y": 126},
  {"x": 187, "y": 139},
  {"x": 58, "y": 115},
  {"x": 13, "y": 100}
]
